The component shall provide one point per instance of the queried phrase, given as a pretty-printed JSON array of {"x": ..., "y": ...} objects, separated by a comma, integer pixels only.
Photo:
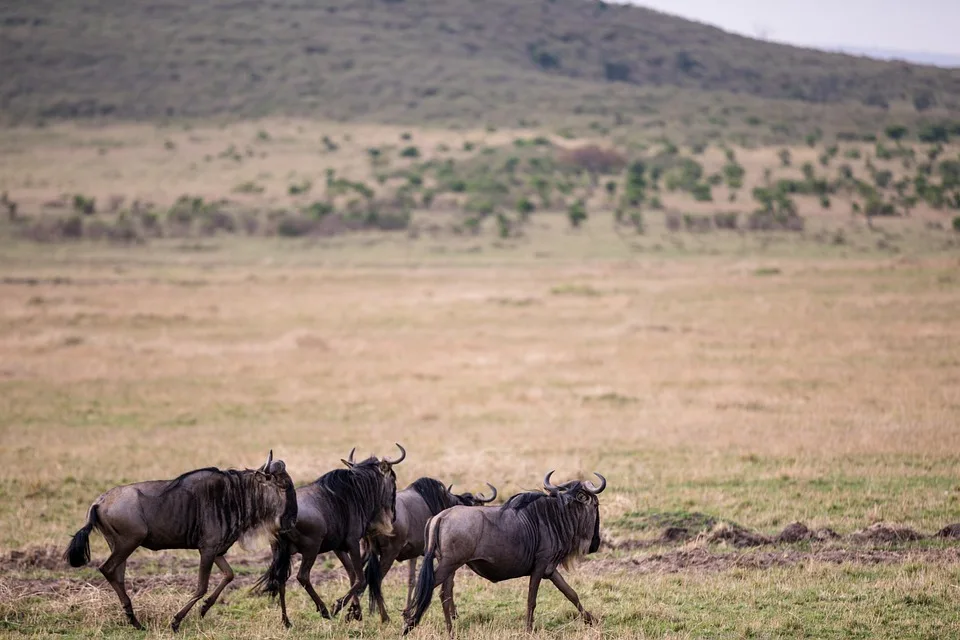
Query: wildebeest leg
[
  {"x": 535, "y": 578},
  {"x": 386, "y": 562},
  {"x": 453, "y": 605},
  {"x": 446, "y": 601},
  {"x": 411, "y": 579},
  {"x": 307, "y": 558},
  {"x": 203, "y": 583},
  {"x": 352, "y": 564},
  {"x": 114, "y": 570},
  {"x": 568, "y": 591},
  {"x": 227, "y": 579}
]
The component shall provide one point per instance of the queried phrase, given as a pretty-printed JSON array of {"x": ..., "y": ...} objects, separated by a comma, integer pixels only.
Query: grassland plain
[{"x": 809, "y": 383}]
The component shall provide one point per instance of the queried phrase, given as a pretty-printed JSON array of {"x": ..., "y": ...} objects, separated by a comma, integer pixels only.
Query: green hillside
[{"x": 439, "y": 61}]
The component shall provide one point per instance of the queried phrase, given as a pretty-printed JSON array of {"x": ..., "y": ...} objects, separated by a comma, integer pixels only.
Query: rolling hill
[{"x": 439, "y": 61}]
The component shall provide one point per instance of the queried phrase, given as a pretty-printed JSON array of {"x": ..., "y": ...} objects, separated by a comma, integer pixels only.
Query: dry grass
[{"x": 760, "y": 390}]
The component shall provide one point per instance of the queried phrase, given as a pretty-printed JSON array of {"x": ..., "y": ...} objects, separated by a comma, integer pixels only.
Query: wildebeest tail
[
  {"x": 78, "y": 552},
  {"x": 373, "y": 576},
  {"x": 426, "y": 580},
  {"x": 278, "y": 572}
]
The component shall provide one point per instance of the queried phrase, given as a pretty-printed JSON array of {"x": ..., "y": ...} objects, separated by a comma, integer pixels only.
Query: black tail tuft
[
  {"x": 423, "y": 594},
  {"x": 374, "y": 578},
  {"x": 78, "y": 552},
  {"x": 278, "y": 572}
]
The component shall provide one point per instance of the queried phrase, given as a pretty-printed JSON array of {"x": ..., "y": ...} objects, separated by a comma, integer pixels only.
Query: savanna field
[{"x": 728, "y": 383}]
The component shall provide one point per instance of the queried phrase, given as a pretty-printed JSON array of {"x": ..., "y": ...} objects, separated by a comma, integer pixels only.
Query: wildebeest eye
[{"x": 583, "y": 497}]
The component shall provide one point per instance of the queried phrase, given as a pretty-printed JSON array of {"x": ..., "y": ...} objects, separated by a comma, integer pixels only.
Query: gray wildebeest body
[
  {"x": 205, "y": 509},
  {"x": 335, "y": 512},
  {"x": 530, "y": 535},
  {"x": 416, "y": 504}
]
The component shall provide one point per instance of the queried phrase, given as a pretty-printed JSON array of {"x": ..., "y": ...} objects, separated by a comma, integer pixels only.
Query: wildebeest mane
[
  {"x": 549, "y": 516},
  {"x": 521, "y": 501},
  {"x": 434, "y": 494},
  {"x": 176, "y": 482}
]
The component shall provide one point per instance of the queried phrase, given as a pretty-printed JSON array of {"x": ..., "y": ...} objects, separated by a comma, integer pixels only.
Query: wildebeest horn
[
  {"x": 546, "y": 482},
  {"x": 266, "y": 465},
  {"x": 450, "y": 488},
  {"x": 403, "y": 454},
  {"x": 350, "y": 457},
  {"x": 483, "y": 499},
  {"x": 594, "y": 490}
]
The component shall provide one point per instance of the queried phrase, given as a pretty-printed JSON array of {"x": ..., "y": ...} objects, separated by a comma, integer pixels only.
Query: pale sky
[{"x": 905, "y": 25}]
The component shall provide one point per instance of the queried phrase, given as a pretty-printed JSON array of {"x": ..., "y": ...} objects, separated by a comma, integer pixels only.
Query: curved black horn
[
  {"x": 266, "y": 465},
  {"x": 595, "y": 490},
  {"x": 350, "y": 457},
  {"x": 450, "y": 488},
  {"x": 546, "y": 482},
  {"x": 483, "y": 499},
  {"x": 403, "y": 454}
]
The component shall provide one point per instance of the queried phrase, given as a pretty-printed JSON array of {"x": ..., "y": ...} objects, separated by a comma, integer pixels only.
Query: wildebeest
[
  {"x": 530, "y": 535},
  {"x": 206, "y": 509},
  {"x": 416, "y": 504},
  {"x": 335, "y": 512}
]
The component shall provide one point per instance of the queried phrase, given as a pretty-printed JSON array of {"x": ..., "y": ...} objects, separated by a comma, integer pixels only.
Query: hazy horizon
[{"x": 881, "y": 27}]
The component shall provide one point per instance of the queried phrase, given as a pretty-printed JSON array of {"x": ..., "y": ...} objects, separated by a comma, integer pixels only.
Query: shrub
[
  {"x": 318, "y": 209},
  {"x": 933, "y": 133},
  {"x": 525, "y": 207},
  {"x": 883, "y": 178},
  {"x": 701, "y": 192},
  {"x": 725, "y": 220},
  {"x": 86, "y": 206},
  {"x": 248, "y": 187},
  {"x": 825, "y": 201},
  {"x": 896, "y": 131},
  {"x": 785, "y": 157},
  {"x": 300, "y": 188},
  {"x": 329, "y": 144},
  {"x": 410, "y": 152},
  {"x": 593, "y": 159},
  {"x": 956, "y": 223},
  {"x": 504, "y": 225},
  {"x": 852, "y": 154},
  {"x": 577, "y": 213},
  {"x": 734, "y": 173}
]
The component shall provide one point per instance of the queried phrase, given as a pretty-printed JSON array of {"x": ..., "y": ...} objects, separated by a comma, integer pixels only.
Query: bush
[
  {"x": 896, "y": 131},
  {"x": 785, "y": 157},
  {"x": 931, "y": 133},
  {"x": 734, "y": 173},
  {"x": 300, "y": 188},
  {"x": 525, "y": 207},
  {"x": 577, "y": 213},
  {"x": 956, "y": 223},
  {"x": 883, "y": 178},
  {"x": 86, "y": 206},
  {"x": 725, "y": 220},
  {"x": 410, "y": 152},
  {"x": 592, "y": 159},
  {"x": 701, "y": 192}
]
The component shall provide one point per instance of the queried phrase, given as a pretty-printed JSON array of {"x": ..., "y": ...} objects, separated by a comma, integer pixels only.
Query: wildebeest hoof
[
  {"x": 175, "y": 625},
  {"x": 136, "y": 624},
  {"x": 286, "y": 623},
  {"x": 588, "y": 618},
  {"x": 355, "y": 612}
]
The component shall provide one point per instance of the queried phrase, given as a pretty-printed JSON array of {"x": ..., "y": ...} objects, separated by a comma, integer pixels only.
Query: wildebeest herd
[{"x": 357, "y": 513}]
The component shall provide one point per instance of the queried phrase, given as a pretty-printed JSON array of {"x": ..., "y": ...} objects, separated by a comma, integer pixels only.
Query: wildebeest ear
[{"x": 277, "y": 466}]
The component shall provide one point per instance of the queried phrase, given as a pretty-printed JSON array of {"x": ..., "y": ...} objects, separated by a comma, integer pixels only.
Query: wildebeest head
[
  {"x": 472, "y": 500},
  {"x": 580, "y": 498},
  {"x": 277, "y": 486},
  {"x": 389, "y": 486}
]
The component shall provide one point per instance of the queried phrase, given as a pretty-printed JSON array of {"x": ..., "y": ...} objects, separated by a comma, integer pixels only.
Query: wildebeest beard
[{"x": 558, "y": 522}]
